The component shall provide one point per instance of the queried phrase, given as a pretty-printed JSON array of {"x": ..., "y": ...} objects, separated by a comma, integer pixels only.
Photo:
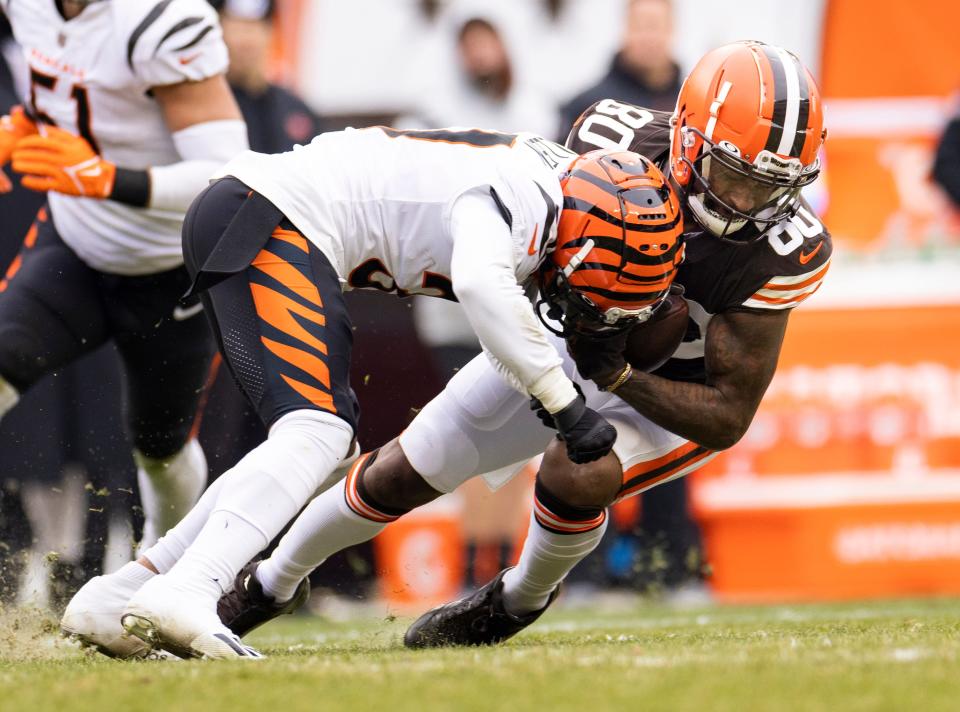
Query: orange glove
[
  {"x": 13, "y": 127},
  {"x": 63, "y": 162}
]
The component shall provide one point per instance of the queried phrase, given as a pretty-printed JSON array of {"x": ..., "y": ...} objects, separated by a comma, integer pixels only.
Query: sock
[
  {"x": 169, "y": 487},
  {"x": 133, "y": 574},
  {"x": 556, "y": 542},
  {"x": 170, "y": 547},
  {"x": 258, "y": 497},
  {"x": 338, "y": 518},
  {"x": 8, "y": 396},
  {"x": 224, "y": 546}
]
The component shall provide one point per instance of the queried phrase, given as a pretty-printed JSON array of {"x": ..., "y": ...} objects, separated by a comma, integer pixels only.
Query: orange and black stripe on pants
[
  {"x": 678, "y": 462},
  {"x": 28, "y": 243},
  {"x": 305, "y": 336}
]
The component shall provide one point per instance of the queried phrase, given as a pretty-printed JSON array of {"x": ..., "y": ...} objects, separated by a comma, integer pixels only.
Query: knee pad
[
  {"x": 441, "y": 452},
  {"x": 311, "y": 444}
]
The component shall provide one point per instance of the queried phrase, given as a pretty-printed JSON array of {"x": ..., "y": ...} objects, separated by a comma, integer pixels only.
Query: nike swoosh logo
[
  {"x": 181, "y": 314},
  {"x": 531, "y": 250},
  {"x": 187, "y": 60},
  {"x": 806, "y": 257}
]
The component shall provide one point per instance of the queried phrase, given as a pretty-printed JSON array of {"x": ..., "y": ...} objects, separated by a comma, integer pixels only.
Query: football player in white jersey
[
  {"x": 128, "y": 115},
  {"x": 743, "y": 141},
  {"x": 468, "y": 214}
]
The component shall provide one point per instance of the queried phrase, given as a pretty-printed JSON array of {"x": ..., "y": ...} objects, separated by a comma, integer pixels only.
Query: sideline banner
[
  {"x": 888, "y": 72},
  {"x": 848, "y": 482}
]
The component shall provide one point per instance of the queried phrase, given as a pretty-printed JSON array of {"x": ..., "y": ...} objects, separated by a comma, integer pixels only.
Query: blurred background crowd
[{"x": 848, "y": 483}]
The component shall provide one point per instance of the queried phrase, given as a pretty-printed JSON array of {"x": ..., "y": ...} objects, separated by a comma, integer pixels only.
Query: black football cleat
[
  {"x": 478, "y": 619},
  {"x": 246, "y": 606}
]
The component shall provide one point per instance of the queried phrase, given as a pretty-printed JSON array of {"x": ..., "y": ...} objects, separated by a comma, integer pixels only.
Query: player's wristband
[
  {"x": 620, "y": 380},
  {"x": 131, "y": 187}
]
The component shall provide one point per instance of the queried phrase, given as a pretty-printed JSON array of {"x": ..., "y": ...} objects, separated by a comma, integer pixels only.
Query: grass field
[{"x": 866, "y": 656}]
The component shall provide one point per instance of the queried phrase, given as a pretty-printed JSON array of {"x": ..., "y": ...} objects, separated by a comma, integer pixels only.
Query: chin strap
[{"x": 554, "y": 314}]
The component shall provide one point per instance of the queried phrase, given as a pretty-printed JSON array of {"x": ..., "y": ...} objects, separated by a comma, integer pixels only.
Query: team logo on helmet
[
  {"x": 618, "y": 244},
  {"x": 746, "y": 134}
]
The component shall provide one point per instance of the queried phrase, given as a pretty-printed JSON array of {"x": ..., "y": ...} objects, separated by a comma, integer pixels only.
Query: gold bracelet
[{"x": 621, "y": 379}]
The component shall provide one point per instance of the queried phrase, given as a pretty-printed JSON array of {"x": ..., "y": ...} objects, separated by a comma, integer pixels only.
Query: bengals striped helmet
[
  {"x": 746, "y": 134},
  {"x": 618, "y": 244}
]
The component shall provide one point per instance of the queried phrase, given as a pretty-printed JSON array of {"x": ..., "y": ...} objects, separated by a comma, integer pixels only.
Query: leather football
[{"x": 652, "y": 342}]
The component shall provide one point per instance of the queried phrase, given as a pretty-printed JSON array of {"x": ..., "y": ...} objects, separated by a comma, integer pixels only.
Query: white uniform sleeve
[
  {"x": 204, "y": 148},
  {"x": 176, "y": 42},
  {"x": 483, "y": 270}
]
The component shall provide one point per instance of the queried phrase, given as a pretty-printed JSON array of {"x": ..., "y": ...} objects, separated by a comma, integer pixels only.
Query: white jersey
[
  {"x": 377, "y": 201},
  {"x": 444, "y": 212},
  {"x": 92, "y": 76}
]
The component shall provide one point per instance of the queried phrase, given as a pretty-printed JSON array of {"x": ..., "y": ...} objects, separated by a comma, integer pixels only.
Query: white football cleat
[
  {"x": 92, "y": 618},
  {"x": 167, "y": 618}
]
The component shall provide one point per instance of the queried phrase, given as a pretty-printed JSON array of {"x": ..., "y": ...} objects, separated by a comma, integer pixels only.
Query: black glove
[
  {"x": 587, "y": 434},
  {"x": 599, "y": 358}
]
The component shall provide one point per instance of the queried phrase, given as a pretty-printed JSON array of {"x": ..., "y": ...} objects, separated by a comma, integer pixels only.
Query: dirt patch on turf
[{"x": 31, "y": 634}]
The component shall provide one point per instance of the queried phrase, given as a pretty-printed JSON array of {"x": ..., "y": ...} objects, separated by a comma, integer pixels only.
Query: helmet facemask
[
  {"x": 771, "y": 185},
  {"x": 576, "y": 313}
]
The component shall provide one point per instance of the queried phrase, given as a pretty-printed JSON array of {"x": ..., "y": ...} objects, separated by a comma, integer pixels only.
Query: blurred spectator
[
  {"x": 276, "y": 118},
  {"x": 643, "y": 72},
  {"x": 946, "y": 165},
  {"x": 657, "y": 545},
  {"x": 486, "y": 92}
]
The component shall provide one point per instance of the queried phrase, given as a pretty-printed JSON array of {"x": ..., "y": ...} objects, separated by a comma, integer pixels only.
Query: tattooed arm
[{"x": 741, "y": 353}]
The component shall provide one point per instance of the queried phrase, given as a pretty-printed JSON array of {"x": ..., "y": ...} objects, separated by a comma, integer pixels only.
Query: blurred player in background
[
  {"x": 16, "y": 214},
  {"x": 643, "y": 71},
  {"x": 276, "y": 117},
  {"x": 63, "y": 484},
  {"x": 661, "y": 549},
  {"x": 455, "y": 213},
  {"x": 743, "y": 142},
  {"x": 129, "y": 113}
]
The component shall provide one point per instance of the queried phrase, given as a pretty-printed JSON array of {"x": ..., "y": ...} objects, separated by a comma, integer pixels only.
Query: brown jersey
[{"x": 784, "y": 265}]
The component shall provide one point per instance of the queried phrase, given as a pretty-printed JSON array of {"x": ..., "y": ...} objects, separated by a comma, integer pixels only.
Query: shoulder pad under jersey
[
  {"x": 171, "y": 41},
  {"x": 777, "y": 271},
  {"x": 799, "y": 255}
]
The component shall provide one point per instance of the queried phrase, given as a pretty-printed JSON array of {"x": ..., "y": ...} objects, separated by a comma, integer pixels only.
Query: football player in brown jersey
[{"x": 741, "y": 144}]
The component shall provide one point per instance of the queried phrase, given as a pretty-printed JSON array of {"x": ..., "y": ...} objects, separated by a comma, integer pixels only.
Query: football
[{"x": 652, "y": 342}]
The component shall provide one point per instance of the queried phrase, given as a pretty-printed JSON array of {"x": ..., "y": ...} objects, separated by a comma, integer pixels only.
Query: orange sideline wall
[
  {"x": 888, "y": 72},
  {"x": 848, "y": 482}
]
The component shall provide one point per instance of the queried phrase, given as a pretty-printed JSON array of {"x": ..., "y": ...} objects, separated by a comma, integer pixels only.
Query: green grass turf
[{"x": 863, "y": 656}]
